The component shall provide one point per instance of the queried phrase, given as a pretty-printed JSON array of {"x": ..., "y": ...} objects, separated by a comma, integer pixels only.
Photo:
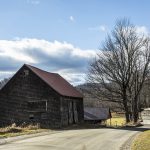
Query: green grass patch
[{"x": 142, "y": 142}]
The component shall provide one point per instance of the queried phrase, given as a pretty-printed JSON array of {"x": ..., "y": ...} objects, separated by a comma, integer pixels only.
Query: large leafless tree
[{"x": 121, "y": 67}]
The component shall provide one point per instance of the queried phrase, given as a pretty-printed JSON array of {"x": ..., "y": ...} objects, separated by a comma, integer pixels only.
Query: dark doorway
[{"x": 72, "y": 112}]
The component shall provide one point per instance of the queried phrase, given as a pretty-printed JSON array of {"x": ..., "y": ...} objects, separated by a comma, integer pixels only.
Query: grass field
[
  {"x": 117, "y": 120},
  {"x": 142, "y": 142}
]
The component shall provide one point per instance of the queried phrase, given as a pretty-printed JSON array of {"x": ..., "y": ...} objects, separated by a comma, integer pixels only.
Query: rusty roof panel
[
  {"x": 58, "y": 83},
  {"x": 95, "y": 113}
]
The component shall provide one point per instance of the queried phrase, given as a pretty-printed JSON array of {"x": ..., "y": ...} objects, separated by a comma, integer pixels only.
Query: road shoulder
[{"x": 22, "y": 137}]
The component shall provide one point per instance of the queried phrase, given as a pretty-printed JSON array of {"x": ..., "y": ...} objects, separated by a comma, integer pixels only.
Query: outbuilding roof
[
  {"x": 55, "y": 81},
  {"x": 96, "y": 113}
]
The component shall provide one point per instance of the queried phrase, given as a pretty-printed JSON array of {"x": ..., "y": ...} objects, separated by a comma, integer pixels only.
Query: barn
[{"x": 37, "y": 96}]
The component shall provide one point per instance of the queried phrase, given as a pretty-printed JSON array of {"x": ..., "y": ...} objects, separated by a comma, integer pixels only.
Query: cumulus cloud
[
  {"x": 73, "y": 76},
  {"x": 5, "y": 74},
  {"x": 142, "y": 30},
  {"x": 71, "y": 18},
  {"x": 101, "y": 28},
  {"x": 61, "y": 57}
]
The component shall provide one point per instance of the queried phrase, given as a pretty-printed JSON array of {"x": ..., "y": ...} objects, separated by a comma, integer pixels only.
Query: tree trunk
[
  {"x": 136, "y": 116},
  {"x": 135, "y": 111},
  {"x": 127, "y": 114}
]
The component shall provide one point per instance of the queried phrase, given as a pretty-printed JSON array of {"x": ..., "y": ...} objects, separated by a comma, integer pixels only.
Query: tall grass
[
  {"x": 14, "y": 130},
  {"x": 117, "y": 120}
]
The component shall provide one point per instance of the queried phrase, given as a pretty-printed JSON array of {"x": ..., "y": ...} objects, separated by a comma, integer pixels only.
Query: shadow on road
[
  {"x": 141, "y": 129},
  {"x": 95, "y": 126}
]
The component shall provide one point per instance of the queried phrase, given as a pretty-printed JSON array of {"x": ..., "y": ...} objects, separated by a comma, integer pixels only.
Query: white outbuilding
[{"x": 145, "y": 114}]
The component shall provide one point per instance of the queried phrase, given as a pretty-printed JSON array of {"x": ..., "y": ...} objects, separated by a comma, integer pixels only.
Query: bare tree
[
  {"x": 3, "y": 82},
  {"x": 139, "y": 76},
  {"x": 145, "y": 95},
  {"x": 119, "y": 66}
]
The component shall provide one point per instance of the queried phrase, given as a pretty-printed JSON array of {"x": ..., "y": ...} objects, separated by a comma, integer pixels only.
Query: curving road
[{"x": 85, "y": 139}]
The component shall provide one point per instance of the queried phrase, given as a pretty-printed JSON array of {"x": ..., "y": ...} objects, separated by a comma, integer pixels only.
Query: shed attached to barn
[
  {"x": 96, "y": 114},
  {"x": 34, "y": 95}
]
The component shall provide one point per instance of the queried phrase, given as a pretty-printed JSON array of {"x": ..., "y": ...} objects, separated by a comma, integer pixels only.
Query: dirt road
[{"x": 85, "y": 139}]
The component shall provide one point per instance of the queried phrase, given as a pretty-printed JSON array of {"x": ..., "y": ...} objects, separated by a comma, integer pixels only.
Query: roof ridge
[
  {"x": 40, "y": 69},
  {"x": 56, "y": 81}
]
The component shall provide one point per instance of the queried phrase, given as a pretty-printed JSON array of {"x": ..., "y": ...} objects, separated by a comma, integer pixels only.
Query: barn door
[
  {"x": 70, "y": 107},
  {"x": 75, "y": 112}
]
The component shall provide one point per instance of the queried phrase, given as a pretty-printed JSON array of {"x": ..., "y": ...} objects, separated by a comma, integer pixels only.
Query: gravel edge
[
  {"x": 128, "y": 143},
  {"x": 22, "y": 137}
]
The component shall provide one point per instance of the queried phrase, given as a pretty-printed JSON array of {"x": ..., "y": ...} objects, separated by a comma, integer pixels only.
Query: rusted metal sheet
[
  {"x": 56, "y": 82},
  {"x": 91, "y": 113}
]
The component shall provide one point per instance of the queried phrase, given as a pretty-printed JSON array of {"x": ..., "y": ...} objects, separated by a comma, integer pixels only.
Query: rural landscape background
[
  {"x": 102, "y": 50},
  {"x": 45, "y": 33}
]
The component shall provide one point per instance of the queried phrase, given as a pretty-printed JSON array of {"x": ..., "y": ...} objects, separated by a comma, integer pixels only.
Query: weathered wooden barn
[{"x": 34, "y": 95}]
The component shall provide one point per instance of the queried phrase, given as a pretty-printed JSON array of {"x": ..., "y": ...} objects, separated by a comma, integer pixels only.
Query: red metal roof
[{"x": 58, "y": 83}]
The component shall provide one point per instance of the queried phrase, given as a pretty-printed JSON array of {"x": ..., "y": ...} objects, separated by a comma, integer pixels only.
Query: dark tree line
[{"x": 121, "y": 68}]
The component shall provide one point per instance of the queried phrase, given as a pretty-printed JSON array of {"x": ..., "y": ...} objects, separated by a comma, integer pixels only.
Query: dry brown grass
[
  {"x": 117, "y": 120},
  {"x": 14, "y": 130},
  {"x": 142, "y": 142}
]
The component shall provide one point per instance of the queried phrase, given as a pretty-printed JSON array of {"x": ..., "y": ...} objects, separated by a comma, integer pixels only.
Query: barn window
[
  {"x": 43, "y": 116},
  {"x": 37, "y": 106},
  {"x": 26, "y": 73},
  {"x": 31, "y": 116}
]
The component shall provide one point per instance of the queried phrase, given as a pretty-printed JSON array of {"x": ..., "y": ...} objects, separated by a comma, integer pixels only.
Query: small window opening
[
  {"x": 37, "y": 106},
  {"x": 26, "y": 73},
  {"x": 31, "y": 116}
]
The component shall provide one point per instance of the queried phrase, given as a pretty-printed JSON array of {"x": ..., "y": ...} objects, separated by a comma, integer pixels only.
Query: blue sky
[{"x": 46, "y": 32}]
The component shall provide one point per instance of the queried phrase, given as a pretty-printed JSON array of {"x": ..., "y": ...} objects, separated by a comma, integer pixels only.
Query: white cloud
[
  {"x": 72, "y": 76},
  {"x": 71, "y": 18},
  {"x": 101, "y": 28},
  {"x": 14, "y": 50},
  {"x": 62, "y": 57},
  {"x": 5, "y": 74},
  {"x": 142, "y": 30}
]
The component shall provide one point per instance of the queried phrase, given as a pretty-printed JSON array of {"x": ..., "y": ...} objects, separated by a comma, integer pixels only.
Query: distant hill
[{"x": 91, "y": 100}]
